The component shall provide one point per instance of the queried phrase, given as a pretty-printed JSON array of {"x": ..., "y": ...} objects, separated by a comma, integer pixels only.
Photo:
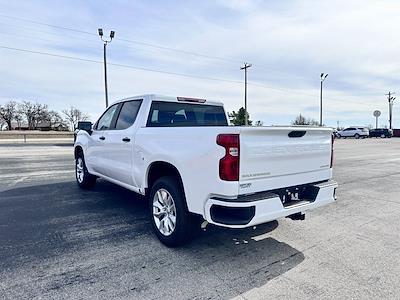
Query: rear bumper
[{"x": 251, "y": 210}]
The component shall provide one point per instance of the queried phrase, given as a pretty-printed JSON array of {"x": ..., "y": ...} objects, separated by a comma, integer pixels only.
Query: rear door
[
  {"x": 120, "y": 143},
  {"x": 277, "y": 157}
]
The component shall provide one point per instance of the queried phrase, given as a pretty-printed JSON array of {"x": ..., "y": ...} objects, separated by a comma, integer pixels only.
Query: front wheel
[
  {"x": 357, "y": 136},
  {"x": 84, "y": 179},
  {"x": 169, "y": 216}
]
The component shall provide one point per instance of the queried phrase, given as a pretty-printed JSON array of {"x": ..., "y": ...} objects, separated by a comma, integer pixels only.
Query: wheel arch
[
  {"x": 78, "y": 150},
  {"x": 158, "y": 169}
]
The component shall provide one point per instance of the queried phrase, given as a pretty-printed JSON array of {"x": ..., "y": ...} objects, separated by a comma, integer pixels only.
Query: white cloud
[{"x": 289, "y": 44}]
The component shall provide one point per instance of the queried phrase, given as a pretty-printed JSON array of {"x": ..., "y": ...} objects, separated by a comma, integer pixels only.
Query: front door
[
  {"x": 120, "y": 144},
  {"x": 96, "y": 157}
]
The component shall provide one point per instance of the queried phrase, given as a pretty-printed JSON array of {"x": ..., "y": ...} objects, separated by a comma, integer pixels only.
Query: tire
[
  {"x": 357, "y": 136},
  {"x": 338, "y": 136},
  {"x": 84, "y": 179},
  {"x": 169, "y": 216},
  {"x": 383, "y": 136}
]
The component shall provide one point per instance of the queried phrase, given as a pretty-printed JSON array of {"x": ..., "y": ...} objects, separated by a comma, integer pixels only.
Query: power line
[
  {"x": 146, "y": 44},
  {"x": 118, "y": 65},
  {"x": 47, "y": 24},
  {"x": 166, "y": 72},
  {"x": 159, "y": 47},
  {"x": 125, "y": 40}
]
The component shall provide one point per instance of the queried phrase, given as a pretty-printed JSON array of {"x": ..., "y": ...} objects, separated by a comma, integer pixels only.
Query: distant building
[
  {"x": 19, "y": 126},
  {"x": 46, "y": 126},
  {"x": 42, "y": 126}
]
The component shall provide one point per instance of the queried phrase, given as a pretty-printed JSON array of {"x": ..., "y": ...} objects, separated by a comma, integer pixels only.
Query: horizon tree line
[{"x": 34, "y": 113}]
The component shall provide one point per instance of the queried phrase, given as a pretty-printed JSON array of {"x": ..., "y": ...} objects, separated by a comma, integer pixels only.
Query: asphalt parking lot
[{"x": 59, "y": 242}]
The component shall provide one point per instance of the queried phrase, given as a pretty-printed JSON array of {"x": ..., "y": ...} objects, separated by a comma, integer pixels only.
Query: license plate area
[{"x": 297, "y": 195}]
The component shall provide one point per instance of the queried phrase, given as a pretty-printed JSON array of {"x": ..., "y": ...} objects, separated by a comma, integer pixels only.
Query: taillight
[
  {"x": 332, "y": 141},
  {"x": 229, "y": 164}
]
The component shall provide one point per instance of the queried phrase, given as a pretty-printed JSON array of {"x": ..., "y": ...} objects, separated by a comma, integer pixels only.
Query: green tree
[
  {"x": 301, "y": 120},
  {"x": 238, "y": 118}
]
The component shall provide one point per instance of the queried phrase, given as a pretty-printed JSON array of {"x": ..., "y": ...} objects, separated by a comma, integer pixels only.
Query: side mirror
[{"x": 85, "y": 125}]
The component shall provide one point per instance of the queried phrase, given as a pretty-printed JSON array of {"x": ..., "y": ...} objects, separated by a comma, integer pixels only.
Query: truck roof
[{"x": 155, "y": 97}]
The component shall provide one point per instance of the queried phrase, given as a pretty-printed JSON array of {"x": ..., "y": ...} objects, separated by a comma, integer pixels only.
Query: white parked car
[
  {"x": 356, "y": 132},
  {"x": 182, "y": 154}
]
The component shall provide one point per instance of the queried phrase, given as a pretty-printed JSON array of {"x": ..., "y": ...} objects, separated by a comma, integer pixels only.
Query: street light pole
[
  {"x": 105, "y": 72},
  {"x": 323, "y": 77},
  {"x": 105, "y": 43},
  {"x": 245, "y": 67}
]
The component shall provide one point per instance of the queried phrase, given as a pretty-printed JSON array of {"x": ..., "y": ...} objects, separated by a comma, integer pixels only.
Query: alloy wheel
[
  {"x": 164, "y": 212},
  {"x": 79, "y": 170}
]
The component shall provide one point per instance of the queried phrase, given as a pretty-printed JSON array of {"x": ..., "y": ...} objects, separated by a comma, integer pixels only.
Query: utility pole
[
  {"x": 105, "y": 43},
  {"x": 390, "y": 100},
  {"x": 323, "y": 77},
  {"x": 245, "y": 67}
]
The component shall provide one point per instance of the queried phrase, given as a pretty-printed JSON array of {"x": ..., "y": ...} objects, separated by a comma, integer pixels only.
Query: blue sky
[{"x": 289, "y": 44}]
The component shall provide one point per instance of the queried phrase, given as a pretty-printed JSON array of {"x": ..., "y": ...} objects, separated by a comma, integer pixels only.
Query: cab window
[
  {"x": 106, "y": 121},
  {"x": 128, "y": 114}
]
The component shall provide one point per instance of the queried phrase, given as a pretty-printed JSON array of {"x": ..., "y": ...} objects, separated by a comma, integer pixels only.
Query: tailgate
[{"x": 277, "y": 157}]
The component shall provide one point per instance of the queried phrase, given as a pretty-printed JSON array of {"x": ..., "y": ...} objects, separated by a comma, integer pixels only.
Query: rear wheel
[
  {"x": 84, "y": 179},
  {"x": 169, "y": 216},
  {"x": 357, "y": 136}
]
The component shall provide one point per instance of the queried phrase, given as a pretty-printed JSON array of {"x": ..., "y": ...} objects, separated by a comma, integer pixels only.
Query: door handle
[
  {"x": 102, "y": 138},
  {"x": 126, "y": 139}
]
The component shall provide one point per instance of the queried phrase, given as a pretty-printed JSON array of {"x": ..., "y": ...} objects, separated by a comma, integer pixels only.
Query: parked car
[
  {"x": 381, "y": 132},
  {"x": 181, "y": 154},
  {"x": 356, "y": 132}
]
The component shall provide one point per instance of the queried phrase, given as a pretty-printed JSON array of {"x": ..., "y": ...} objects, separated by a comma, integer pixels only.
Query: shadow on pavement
[{"x": 75, "y": 243}]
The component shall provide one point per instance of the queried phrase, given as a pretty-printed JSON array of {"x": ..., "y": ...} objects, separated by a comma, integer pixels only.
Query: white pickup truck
[{"x": 181, "y": 153}]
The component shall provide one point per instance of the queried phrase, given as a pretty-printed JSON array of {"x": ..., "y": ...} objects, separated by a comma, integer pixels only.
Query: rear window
[
  {"x": 171, "y": 114},
  {"x": 128, "y": 114}
]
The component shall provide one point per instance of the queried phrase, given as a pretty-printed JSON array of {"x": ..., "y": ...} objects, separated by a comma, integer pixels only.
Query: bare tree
[
  {"x": 8, "y": 112},
  {"x": 19, "y": 118},
  {"x": 2, "y": 123},
  {"x": 27, "y": 108},
  {"x": 73, "y": 115},
  {"x": 34, "y": 113},
  {"x": 40, "y": 113},
  {"x": 301, "y": 120},
  {"x": 53, "y": 117}
]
